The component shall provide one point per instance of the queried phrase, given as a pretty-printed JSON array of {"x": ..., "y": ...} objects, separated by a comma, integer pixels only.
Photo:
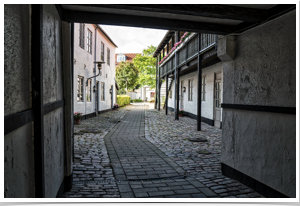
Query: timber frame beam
[{"x": 145, "y": 21}]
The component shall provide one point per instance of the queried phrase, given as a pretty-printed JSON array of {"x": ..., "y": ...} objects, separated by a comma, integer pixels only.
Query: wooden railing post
[{"x": 199, "y": 73}]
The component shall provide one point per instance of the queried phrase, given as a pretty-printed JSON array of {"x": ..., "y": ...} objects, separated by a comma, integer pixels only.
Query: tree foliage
[
  {"x": 146, "y": 65},
  {"x": 127, "y": 71}
]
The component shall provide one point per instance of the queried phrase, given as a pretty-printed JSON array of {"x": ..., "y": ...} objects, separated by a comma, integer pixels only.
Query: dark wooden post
[
  {"x": 176, "y": 83},
  {"x": 167, "y": 91},
  {"x": 177, "y": 93},
  {"x": 157, "y": 59},
  {"x": 186, "y": 54},
  {"x": 37, "y": 97},
  {"x": 199, "y": 69},
  {"x": 158, "y": 106}
]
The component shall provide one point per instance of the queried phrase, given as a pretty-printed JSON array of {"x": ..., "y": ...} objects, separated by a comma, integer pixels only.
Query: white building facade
[
  {"x": 212, "y": 76},
  {"x": 94, "y": 91}
]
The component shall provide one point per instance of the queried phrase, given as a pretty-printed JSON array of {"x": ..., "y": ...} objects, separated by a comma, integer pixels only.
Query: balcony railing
[{"x": 207, "y": 41}]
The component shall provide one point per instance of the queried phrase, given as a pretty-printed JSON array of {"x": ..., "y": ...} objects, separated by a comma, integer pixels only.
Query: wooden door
[
  {"x": 97, "y": 97},
  {"x": 217, "y": 100},
  {"x": 181, "y": 96}
]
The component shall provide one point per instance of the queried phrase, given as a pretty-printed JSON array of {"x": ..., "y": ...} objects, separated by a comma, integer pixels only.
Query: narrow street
[{"x": 139, "y": 152}]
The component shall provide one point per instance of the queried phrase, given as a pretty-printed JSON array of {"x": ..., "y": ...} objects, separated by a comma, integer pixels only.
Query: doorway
[
  {"x": 112, "y": 95},
  {"x": 97, "y": 97},
  {"x": 217, "y": 100},
  {"x": 181, "y": 95}
]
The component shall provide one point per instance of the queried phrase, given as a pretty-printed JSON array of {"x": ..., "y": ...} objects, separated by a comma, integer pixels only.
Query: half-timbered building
[{"x": 179, "y": 49}]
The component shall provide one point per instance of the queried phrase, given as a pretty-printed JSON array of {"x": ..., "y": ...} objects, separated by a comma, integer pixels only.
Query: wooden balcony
[{"x": 187, "y": 52}]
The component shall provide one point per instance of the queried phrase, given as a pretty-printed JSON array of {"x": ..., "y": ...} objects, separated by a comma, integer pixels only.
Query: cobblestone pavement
[{"x": 142, "y": 153}]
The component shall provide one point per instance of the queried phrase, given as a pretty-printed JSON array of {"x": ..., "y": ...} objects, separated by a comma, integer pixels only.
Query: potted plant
[
  {"x": 116, "y": 107},
  {"x": 77, "y": 117},
  {"x": 181, "y": 113}
]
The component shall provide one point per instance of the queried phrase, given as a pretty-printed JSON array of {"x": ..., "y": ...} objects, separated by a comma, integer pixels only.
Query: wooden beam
[
  {"x": 158, "y": 102},
  {"x": 145, "y": 22},
  {"x": 37, "y": 97},
  {"x": 177, "y": 93},
  {"x": 167, "y": 91},
  {"x": 156, "y": 75},
  {"x": 199, "y": 73},
  {"x": 196, "y": 10}
]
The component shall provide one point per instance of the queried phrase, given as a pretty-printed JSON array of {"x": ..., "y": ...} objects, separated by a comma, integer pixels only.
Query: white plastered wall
[
  {"x": 83, "y": 57},
  {"x": 207, "y": 107}
]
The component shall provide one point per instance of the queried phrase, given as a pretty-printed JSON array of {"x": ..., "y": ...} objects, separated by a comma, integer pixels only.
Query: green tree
[
  {"x": 126, "y": 71},
  {"x": 146, "y": 65}
]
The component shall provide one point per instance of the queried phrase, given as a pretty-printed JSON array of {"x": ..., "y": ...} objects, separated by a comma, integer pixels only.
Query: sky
[{"x": 133, "y": 39}]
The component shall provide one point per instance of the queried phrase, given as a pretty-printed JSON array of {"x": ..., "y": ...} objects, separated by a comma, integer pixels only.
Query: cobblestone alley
[{"x": 139, "y": 152}]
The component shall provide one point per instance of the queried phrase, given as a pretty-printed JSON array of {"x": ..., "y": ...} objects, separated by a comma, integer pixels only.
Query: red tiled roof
[{"x": 130, "y": 57}]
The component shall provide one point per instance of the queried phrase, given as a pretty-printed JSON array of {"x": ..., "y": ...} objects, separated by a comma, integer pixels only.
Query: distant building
[{"x": 126, "y": 57}]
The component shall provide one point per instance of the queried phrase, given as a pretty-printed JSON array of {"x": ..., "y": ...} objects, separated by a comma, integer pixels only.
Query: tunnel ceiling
[{"x": 203, "y": 18}]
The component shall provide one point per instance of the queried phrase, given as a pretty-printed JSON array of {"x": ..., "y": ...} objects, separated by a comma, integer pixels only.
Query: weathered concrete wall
[
  {"x": 53, "y": 91},
  {"x": 258, "y": 144},
  {"x": 18, "y": 145},
  {"x": 54, "y": 151},
  {"x": 18, "y": 163},
  {"x": 17, "y": 85}
]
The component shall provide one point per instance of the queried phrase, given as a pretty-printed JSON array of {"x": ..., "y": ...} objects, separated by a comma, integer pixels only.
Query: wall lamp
[
  {"x": 99, "y": 64},
  {"x": 183, "y": 89}
]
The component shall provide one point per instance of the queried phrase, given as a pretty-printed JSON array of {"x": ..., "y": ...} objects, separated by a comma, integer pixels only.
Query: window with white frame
[
  {"x": 121, "y": 58},
  {"x": 88, "y": 91},
  {"x": 108, "y": 56},
  {"x": 81, "y": 35},
  {"x": 102, "y": 51},
  {"x": 80, "y": 89},
  {"x": 89, "y": 41},
  {"x": 190, "y": 90},
  {"x": 203, "y": 89},
  {"x": 102, "y": 91}
]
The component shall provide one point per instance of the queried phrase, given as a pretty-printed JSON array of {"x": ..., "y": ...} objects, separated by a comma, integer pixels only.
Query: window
[
  {"x": 190, "y": 90},
  {"x": 102, "y": 91},
  {"x": 121, "y": 57},
  {"x": 218, "y": 94},
  {"x": 102, "y": 51},
  {"x": 89, "y": 41},
  {"x": 80, "y": 89},
  {"x": 88, "y": 90},
  {"x": 108, "y": 56},
  {"x": 203, "y": 91},
  {"x": 81, "y": 35}
]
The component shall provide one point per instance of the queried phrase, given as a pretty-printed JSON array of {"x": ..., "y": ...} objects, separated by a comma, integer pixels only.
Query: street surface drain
[{"x": 198, "y": 140}]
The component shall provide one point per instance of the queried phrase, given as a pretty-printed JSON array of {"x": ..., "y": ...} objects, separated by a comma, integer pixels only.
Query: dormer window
[{"x": 121, "y": 58}]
